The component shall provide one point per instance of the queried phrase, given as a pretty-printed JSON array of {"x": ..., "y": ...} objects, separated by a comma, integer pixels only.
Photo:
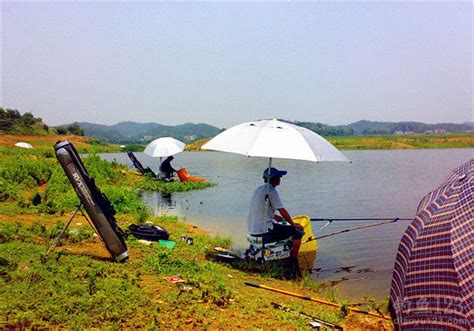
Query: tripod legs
[{"x": 58, "y": 238}]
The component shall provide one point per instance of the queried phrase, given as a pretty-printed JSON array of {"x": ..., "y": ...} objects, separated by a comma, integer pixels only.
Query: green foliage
[
  {"x": 11, "y": 232},
  {"x": 223, "y": 242},
  {"x": 56, "y": 229},
  {"x": 12, "y": 122},
  {"x": 68, "y": 291},
  {"x": 133, "y": 148},
  {"x": 31, "y": 152},
  {"x": 382, "y": 128},
  {"x": 380, "y": 307},
  {"x": 142, "y": 133},
  {"x": 102, "y": 170},
  {"x": 451, "y": 140},
  {"x": 7, "y": 190},
  {"x": 83, "y": 233},
  {"x": 38, "y": 229},
  {"x": 61, "y": 197},
  {"x": 65, "y": 290},
  {"x": 20, "y": 172},
  {"x": 73, "y": 128},
  {"x": 150, "y": 184},
  {"x": 26, "y": 171},
  {"x": 127, "y": 201},
  {"x": 210, "y": 285}
]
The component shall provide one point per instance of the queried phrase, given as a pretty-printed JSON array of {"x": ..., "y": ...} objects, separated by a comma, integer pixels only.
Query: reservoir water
[{"x": 376, "y": 184}]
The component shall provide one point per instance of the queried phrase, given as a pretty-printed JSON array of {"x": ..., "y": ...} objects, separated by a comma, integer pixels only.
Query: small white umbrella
[
  {"x": 165, "y": 146},
  {"x": 23, "y": 145},
  {"x": 275, "y": 139}
]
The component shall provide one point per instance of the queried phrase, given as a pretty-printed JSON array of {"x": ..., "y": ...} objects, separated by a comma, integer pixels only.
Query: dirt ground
[{"x": 42, "y": 141}]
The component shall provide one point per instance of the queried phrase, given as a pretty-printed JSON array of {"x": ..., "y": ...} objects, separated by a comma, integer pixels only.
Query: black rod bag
[{"x": 95, "y": 203}]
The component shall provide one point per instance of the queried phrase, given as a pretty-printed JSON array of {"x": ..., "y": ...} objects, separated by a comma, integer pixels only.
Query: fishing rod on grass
[
  {"x": 324, "y": 302},
  {"x": 315, "y": 319}
]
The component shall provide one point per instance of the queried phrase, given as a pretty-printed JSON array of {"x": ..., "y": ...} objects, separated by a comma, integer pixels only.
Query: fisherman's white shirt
[{"x": 256, "y": 223}]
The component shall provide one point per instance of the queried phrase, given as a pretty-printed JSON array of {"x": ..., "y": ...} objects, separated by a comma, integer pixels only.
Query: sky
[{"x": 227, "y": 63}]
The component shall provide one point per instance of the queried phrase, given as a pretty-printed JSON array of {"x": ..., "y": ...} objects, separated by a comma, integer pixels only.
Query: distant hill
[
  {"x": 365, "y": 127},
  {"x": 141, "y": 133}
]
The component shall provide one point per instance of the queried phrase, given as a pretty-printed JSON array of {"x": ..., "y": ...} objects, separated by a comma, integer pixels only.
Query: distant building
[
  {"x": 398, "y": 133},
  {"x": 147, "y": 138},
  {"x": 429, "y": 132},
  {"x": 439, "y": 130},
  {"x": 190, "y": 137}
]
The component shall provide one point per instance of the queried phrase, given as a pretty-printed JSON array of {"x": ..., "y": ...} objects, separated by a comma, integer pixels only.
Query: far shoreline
[{"x": 386, "y": 142}]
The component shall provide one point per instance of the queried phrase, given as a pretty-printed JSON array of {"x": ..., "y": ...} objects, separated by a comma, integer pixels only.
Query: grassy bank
[
  {"x": 78, "y": 287},
  {"x": 448, "y": 140},
  {"x": 32, "y": 182},
  {"x": 45, "y": 143}
]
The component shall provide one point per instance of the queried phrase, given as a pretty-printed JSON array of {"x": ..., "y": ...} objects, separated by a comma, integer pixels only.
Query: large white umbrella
[
  {"x": 23, "y": 145},
  {"x": 275, "y": 139},
  {"x": 165, "y": 146}
]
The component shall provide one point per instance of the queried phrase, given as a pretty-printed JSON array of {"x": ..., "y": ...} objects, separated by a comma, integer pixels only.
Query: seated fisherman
[
  {"x": 166, "y": 169},
  {"x": 271, "y": 226}
]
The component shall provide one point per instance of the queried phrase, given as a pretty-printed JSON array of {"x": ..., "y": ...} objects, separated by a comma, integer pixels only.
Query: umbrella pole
[{"x": 266, "y": 202}]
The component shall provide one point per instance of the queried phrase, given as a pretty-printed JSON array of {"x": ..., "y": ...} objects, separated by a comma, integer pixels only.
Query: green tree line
[{"x": 11, "y": 121}]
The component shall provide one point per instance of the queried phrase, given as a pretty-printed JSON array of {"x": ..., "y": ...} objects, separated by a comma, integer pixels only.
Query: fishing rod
[
  {"x": 351, "y": 229},
  {"x": 358, "y": 219},
  {"x": 324, "y": 302},
  {"x": 219, "y": 176},
  {"x": 329, "y": 324}
]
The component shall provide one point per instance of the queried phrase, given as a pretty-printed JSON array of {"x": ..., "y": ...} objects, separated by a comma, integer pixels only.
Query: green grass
[
  {"x": 149, "y": 184},
  {"x": 22, "y": 173},
  {"x": 69, "y": 289},
  {"x": 66, "y": 290},
  {"x": 448, "y": 140}
]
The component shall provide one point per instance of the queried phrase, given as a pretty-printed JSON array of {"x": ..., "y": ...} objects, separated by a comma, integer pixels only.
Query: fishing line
[
  {"x": 322, "y": 228},
  {"x": 219, "y": 176},
  {"x": 352, "y": 229},
  {"x": 359, "y": 219}
]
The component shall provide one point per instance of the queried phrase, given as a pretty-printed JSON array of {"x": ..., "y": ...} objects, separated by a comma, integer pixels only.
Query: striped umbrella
[{"x": 433, "y": 278}]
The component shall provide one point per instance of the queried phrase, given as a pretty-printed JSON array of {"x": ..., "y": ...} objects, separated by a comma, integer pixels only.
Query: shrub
[
  {"x": 26, "y": 171},
  {"x": 7, "y": 190},
  {"x": 35, "y": 198},
  {"x": 126, "y": 201},
  {"x": 10, "y": 232}
]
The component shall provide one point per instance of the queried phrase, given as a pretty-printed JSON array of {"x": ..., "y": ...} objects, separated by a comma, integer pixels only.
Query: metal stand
[{"x": 60, "y": 235}]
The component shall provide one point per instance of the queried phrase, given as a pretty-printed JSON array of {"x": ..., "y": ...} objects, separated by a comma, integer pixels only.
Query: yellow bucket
[{"x": 308, "y": 249}]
